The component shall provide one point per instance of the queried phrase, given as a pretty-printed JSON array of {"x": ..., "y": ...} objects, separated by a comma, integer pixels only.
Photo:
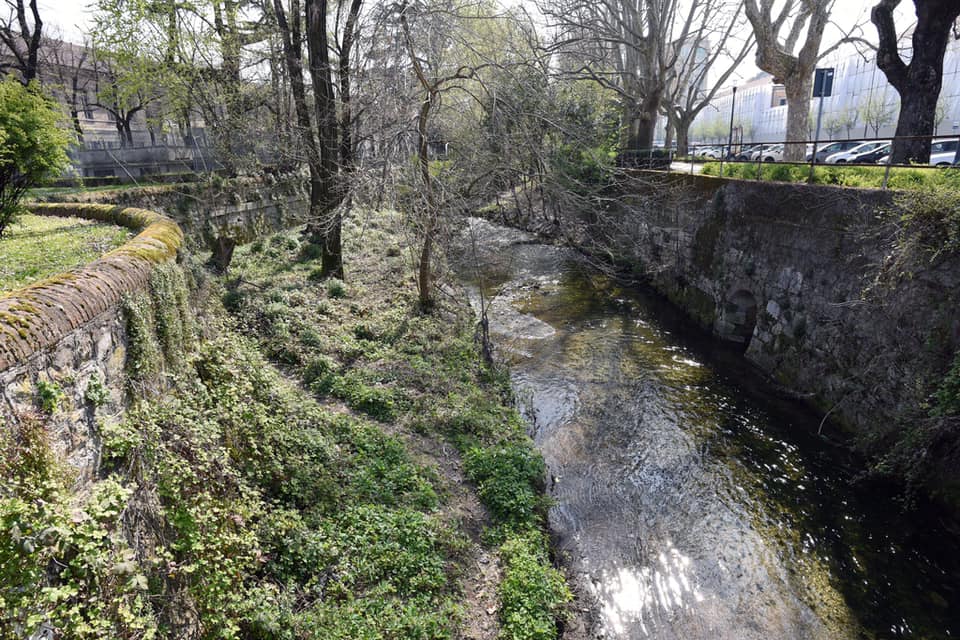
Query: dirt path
[{"x": 463, "y": 511}]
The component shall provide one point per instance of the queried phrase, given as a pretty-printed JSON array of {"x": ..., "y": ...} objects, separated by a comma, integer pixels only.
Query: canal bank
[
  {"x": 692, "y": 500},
  {"x": 839, "y": 295}
]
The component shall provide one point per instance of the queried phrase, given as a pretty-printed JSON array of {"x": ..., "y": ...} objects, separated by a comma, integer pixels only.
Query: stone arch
[{"x": 738, "y": 317}]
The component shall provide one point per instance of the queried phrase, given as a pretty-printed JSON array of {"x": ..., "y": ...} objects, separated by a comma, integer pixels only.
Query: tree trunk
[
  {"x": 637, "y": 135},
  {"x": 918, "y": 106},
  {"x": 324, "y": 231},
  {"x": 918, "y": 82},
  {"x": 118, "y": 123},
  {"x": 75, "y": 118},
  {"x": 683, "y": 135},
  {"x": 798, "y": 88}
]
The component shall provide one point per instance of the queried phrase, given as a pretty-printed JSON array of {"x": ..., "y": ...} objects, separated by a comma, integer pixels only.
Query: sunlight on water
[
  {"x": 632, "y": 595},
  {"x": 687, "y": 507}
]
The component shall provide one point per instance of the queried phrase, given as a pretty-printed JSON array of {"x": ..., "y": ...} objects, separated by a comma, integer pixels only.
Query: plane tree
[{"x": 918, "y": 81}]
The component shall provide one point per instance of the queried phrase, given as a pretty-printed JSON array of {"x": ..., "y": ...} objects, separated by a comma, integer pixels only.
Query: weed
[
  {"x": 947, "y": 396},
  {"x": 310, "y": 337},
  {"x": 532, "y": 594},
  {"x": 50, "y": 395},
  {"x": 507, "y": 478},
  {"x": 96, "y": 392},
  {"x": 336, "y": 288}
]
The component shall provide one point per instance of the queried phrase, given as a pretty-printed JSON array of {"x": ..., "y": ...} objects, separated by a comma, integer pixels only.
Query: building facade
[{"x": 863, "y": 105}]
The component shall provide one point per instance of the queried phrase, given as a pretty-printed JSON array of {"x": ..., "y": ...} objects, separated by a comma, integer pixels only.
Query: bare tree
[
  {"x": 71, "y": 70},
  {"x": 919, "y": 81},
  {"x": 22, "y": 39},
  {"x": 692, "y": 86},
  {"x": 789, "y": 47},
  {"x": 326, "y": 138},
  {"x": 628, "y": 46},
  {"x": 777, "y": 39},
  {"x": 877, "y": 113}
]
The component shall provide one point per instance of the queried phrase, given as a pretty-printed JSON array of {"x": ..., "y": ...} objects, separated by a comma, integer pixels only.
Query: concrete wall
[{"x": 800, "y": 276}]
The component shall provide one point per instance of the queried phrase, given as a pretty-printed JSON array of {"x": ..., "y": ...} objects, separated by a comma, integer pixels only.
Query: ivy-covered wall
[{"x": 64, "y": 345}]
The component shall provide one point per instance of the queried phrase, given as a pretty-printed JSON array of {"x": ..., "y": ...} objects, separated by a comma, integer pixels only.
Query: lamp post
[{"x": 733, "y": 102}]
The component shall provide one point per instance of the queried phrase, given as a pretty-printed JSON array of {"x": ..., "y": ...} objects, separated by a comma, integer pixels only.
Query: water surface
[{"x": 691, "y": 500}]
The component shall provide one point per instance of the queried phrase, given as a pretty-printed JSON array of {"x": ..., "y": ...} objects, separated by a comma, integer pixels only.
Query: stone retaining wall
[
  {"x": 68, "y": 333},
  {"x": 802, "y": 277}
]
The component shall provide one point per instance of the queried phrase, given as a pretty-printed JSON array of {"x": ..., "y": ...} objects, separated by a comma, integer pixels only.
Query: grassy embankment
[
  {"x": 325, "y": 501},
  {"x": 901, "y": 178},
  {"x": 36, "y": 247}
]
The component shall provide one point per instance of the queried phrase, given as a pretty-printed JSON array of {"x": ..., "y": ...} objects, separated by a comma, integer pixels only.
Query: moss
[
  {"x": 144, "y": 358},
  {"x": 168, "y": 294}
]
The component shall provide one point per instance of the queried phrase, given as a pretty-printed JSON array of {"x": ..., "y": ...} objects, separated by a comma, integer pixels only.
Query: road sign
[{"x": 823, "y": 83}]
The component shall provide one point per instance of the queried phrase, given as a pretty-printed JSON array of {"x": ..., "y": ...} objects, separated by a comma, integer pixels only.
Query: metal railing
[{"x": 764, "y": 153}]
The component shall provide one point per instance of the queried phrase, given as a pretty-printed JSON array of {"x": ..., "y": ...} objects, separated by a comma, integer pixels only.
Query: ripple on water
[{"x": 680, "y": 503}]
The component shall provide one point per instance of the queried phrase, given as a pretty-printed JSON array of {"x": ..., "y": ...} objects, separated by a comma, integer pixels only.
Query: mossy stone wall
[{"x": 67, "y": 335}]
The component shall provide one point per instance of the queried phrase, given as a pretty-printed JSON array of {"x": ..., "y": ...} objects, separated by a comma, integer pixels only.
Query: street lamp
[{"x": 733, "y": 102}]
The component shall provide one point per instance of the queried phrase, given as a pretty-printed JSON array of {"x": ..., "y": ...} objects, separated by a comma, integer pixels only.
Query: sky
[{"x": 72, "y": 19}]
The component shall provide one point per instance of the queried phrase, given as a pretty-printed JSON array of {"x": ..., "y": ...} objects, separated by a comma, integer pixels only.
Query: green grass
[
  {"x": 37, "y": 247},
  {"x": 314, "y": 503},
  {"x": 901, "y": 178},
  {"x": 365, "y": 344}
]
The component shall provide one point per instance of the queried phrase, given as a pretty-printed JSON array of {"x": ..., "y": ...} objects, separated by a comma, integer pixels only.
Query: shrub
[
  {"x": 309, "y": 251},
  {"x": 50, "y": 394},
  {"x": 336, "y": 288},
  {"x": 507, "y": 477},
  {"x": 947, "y": 395},
  {"x": 32, "y": 144},
  {"x": 532, "y": 593},
  {"x": 96, "y": 392}
]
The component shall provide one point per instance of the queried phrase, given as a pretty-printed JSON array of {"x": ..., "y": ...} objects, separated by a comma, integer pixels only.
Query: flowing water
[{"x": 691, "y": 500}]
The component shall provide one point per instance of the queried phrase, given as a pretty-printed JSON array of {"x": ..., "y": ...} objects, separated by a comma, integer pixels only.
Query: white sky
[{"x": 72, "y": 19}]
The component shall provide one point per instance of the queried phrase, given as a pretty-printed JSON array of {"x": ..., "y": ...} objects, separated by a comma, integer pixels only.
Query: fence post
[{"x": 886, "y": 171}]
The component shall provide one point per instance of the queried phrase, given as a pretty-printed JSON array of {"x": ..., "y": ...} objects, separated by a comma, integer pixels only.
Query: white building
[{"x": 863, "y": 104}]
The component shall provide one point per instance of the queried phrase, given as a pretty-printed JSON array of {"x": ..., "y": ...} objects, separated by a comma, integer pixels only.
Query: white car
[
  {"x": 943, "y": 152},
  {"x": 773, "y": 154},
  {"x": 763, "y": 150},
  {"x": 848, "y": 155},
  {"x": 943, "y": 159}
]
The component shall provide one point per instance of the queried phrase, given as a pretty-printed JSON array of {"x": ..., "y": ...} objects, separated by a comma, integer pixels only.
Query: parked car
[
  {"x": 773, "y": 153},
  {"x": 871, "y": 156},
  {"x": 943, "y": 159},
  {"x": 707, "y": 152},
  {"x": 943, "y": 152},
  {"x": 832, "y": 148},
  {"x": 846, "y": 156},
  {"x": 762, "y": 151},
  {"x": 746, "y": 153}
]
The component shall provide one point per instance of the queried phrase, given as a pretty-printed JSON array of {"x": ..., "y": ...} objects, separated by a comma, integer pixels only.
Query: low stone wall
[
  {"x": 213, "y": 212},
  {"x": 66, "y": 335}
]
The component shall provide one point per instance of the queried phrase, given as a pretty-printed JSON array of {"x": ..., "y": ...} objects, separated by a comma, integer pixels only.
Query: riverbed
[{"x": 691, "y": 499}]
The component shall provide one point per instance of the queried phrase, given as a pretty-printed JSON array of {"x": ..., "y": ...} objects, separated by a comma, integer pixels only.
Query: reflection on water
[
  {"x": 690, "y": 502},
  {"x": 628, "y": 593}
]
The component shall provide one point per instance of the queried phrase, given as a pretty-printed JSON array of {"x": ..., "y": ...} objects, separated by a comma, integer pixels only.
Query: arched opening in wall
[{"x": 739, "y": 317}]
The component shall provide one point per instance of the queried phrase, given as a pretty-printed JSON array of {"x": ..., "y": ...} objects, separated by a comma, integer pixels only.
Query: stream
[{"x": 691, "y": 500}]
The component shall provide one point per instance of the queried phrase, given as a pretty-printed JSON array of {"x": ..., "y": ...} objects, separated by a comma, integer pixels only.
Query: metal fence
[{"x": 836, "y": 152}]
